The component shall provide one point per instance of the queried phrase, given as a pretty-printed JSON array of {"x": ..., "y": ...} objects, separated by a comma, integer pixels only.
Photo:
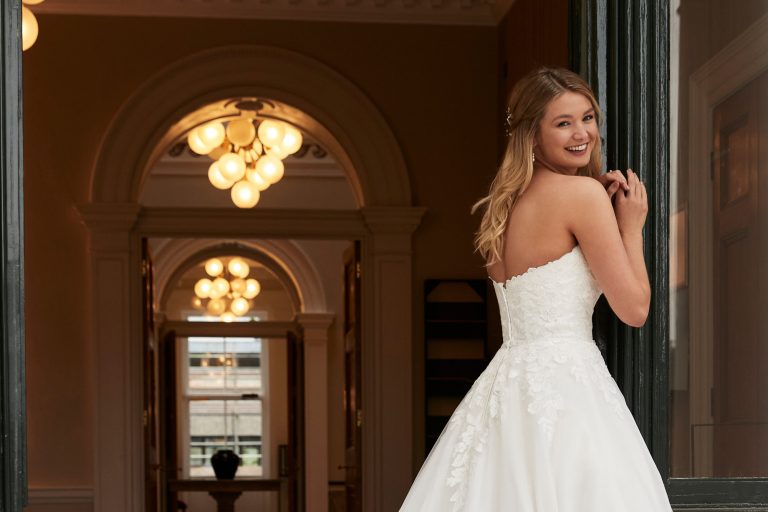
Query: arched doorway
[{"x": 349, "y": 126}]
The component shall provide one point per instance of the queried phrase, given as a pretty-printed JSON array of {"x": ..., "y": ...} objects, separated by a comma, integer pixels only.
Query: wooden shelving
[{"x": 456, "y": 348}]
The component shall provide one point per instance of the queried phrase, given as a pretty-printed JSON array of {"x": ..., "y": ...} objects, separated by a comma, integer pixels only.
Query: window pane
[{"x": 719, "y": 239}]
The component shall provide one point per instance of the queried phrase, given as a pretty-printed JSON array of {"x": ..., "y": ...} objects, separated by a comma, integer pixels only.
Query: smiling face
[{"x": 567, "y": 132}]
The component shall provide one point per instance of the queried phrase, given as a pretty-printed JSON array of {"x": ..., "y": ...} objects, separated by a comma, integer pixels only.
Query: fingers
[
  {"x": 616, "y": 176},
  {"x": 612, "y": 188}
]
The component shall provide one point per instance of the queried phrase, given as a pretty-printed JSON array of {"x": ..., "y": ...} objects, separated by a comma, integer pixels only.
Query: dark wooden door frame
[
  {"x": 622, "y": 48},
  {"x": 13, "y": 494}
]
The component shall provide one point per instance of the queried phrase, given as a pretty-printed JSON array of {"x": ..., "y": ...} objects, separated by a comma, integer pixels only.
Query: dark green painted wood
[
  {"x": 622, "y": 48},
  {"x": 624, "y": 56},
  {"x": 12, "y": 395}
]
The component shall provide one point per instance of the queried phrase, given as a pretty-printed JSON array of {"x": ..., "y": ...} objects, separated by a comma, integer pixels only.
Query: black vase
[{"x": 225, "y": 463}]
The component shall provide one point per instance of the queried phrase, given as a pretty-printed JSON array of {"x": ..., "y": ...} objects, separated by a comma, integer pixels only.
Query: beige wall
[{"x": 436, "y": 86}]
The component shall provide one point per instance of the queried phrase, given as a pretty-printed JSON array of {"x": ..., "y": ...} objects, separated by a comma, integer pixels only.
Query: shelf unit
[{"x": 456, "y": 346}]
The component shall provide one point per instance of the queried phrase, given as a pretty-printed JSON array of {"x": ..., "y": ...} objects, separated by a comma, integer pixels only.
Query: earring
[{"x": 533, "y": 156}]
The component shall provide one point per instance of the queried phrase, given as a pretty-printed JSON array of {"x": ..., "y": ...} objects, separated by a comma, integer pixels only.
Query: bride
[{"x": 545, "y": 428}]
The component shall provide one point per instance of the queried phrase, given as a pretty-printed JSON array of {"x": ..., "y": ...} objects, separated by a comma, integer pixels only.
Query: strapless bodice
[{"x": 549, "y": 302}]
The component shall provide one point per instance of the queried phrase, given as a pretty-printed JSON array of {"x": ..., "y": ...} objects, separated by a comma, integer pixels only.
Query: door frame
[
  {"x": 13, "y": 461},
  {"x": 115, "y": 231}
]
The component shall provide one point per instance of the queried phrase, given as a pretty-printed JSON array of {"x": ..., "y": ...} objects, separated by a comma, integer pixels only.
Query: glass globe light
[
  {"x": 270, "y": 168},
  {"x": 245, "y": 194},
  {"x": 197, "y": 144},
  {"x": 239, "y": 306},
  {"x": 238, "y": 267},
  {"x": 237, "y": 286},
  {"x": 241, "y": 131},
  {"x": 212, "y": 134},
  {"x": 197, "y": 302},
  {"x": 292, "y": 140},
  {"x": 29, "y": 28},
  {"x": 221, "y": 286},
  {"x": 213, "y": 267},
  {"x": 232, "y": 166},
  {"x": 271, "y": 132},
  {"x": 252, "y": 288},
  {"x": 254, "y": 177},
  {"x": 277, "y": 152},
  {"x": 227, "y": 317},
  {"x": 203, "y": 288},
  {"x": 217, "y": 179},
  {"x": 216, "y": 307}
]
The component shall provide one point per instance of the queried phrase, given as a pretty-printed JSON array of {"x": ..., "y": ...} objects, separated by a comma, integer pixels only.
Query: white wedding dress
[{"x": 544, "y": 428}]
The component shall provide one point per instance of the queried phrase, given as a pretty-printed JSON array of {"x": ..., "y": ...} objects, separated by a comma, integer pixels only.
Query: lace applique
[{"x": 546, "y": 315}]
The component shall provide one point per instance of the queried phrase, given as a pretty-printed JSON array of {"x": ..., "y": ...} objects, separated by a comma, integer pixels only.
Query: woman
[{"x": 545, "y": 428}]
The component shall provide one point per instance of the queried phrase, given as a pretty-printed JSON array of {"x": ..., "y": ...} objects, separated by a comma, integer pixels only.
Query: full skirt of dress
[{"x": 543, "y": 429}]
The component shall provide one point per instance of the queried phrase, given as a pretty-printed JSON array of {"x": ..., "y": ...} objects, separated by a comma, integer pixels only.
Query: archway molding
[
  {"x": 282, "y": 257},
  {"x": 333, "y": 109}
]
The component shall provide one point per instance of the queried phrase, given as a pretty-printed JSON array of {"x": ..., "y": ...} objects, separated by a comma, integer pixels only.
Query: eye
[
  {"x": 589, "y": 117},
  {"x": 563, "y": 123}
]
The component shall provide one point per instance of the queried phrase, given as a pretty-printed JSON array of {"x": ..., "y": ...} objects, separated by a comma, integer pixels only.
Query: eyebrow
[{"x": 569, "y": 116}]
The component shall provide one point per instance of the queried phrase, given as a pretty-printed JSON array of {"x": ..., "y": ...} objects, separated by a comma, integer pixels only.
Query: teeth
[{"x": 577, "y": 148}]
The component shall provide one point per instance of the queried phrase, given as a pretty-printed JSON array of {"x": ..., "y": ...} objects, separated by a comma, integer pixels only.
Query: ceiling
[{"x": 433, "y": 12}]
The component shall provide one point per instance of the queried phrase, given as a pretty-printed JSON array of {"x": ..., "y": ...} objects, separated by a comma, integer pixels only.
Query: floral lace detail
[{"x": 547, "y": 324}]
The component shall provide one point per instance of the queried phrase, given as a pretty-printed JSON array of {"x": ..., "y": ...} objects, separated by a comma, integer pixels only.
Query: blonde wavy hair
[{"x": 525, "y": 109}]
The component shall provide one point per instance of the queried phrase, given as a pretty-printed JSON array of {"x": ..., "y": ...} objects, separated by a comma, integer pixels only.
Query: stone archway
[{"x": 347, "y": 123}]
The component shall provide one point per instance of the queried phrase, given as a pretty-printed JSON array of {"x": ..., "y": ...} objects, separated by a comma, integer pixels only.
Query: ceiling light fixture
[
  {"x": 228, "y": 291},
  {"x": 247, "y": 150}
]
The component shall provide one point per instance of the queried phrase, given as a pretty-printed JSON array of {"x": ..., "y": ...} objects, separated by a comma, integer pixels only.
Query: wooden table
[{"x": 226, "y": 492}]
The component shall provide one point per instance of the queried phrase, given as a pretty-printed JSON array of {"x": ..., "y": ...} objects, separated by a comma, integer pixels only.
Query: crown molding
[{"x": 430, "y": 12}]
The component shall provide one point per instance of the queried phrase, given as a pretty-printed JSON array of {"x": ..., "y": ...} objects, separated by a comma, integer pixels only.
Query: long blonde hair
[{"x": 525, "y": 108}]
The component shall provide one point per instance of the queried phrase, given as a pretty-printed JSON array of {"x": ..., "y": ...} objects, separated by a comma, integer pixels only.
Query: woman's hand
[
  {"x": 631, "y": 207},
  {"x": 612, "y": 181}
]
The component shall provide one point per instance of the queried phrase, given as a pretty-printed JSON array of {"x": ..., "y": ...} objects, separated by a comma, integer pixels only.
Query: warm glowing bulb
[
  {"x": 237, "y": 286},
  {"x": 232, "y": 166},
  {"x": 271, "y": 132},
  {"x": 239, "y": 306},
  {"x": 252, "y": 288},
  {"x": 241, "y": 131},
  {"x": 227, "y": 317},
  {"x": 245, "y": 194},
  {"x": 270, "y": 168},
  {"x": 197, "y": 144},
  {"x": 277, "y": 152},
  {"x": 216, "y": 306},
  {"x": 197, "y": 302},
  {"x": 212, "y": 134},
  {"x": 213, "y": 267},
  {"x": 238, "y": 267},
  {"x": 221, "y": 286},
  {"x": 203, "y": 288},
  {"x": 29, "y": 28},
  {"x": 217, "y": 179},
  {"x": 292, "y": 140},
  {"x": 257, "y": 179}
]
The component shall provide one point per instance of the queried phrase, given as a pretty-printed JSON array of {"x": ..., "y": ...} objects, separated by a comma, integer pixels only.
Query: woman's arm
[{"x": 612, "y": 243}]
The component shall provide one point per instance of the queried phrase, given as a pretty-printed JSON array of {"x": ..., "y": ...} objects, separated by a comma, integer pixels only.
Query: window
[{"x": 221, "y": 402}]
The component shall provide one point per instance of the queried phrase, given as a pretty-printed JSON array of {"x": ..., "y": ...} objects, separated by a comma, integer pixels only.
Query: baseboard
[{"x": 60, "y": 495}]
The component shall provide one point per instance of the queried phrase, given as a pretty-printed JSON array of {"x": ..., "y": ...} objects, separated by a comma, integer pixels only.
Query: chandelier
[
  {"x": 228, "y": 292},
  {"x": 247, "y": 150},
  {"x": 29, "y": 26}
]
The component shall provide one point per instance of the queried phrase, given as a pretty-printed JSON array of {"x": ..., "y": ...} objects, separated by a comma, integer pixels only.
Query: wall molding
[
  {"x": 60, "y": 496},
  {"x": 434, "y": 12}
]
